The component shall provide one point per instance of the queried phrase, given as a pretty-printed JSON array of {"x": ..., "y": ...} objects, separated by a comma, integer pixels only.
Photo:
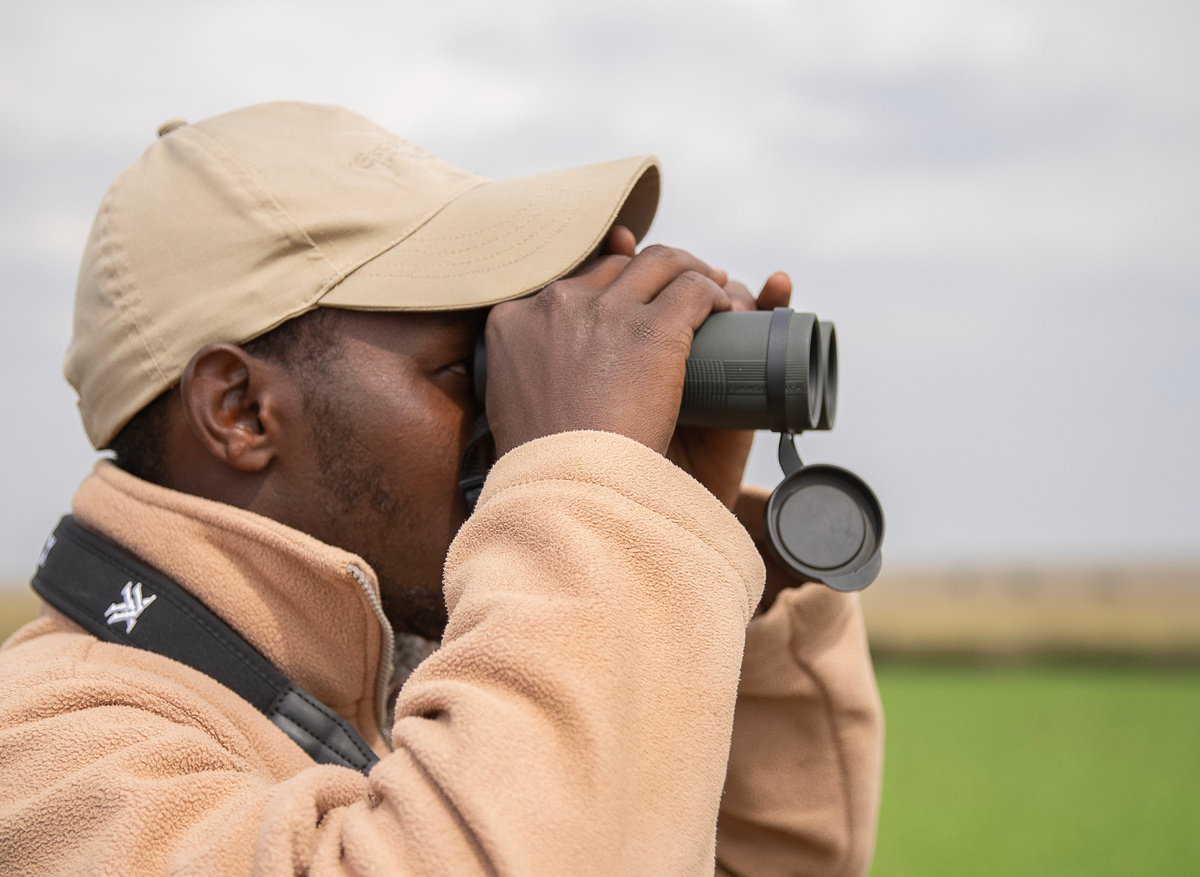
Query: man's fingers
[
  {"x": 740, "y": 296},
  {"x": 620, "y": 242},
  {"x": 691, "y": 297},
  {"x": 651, "y": 270},
  {"x": 776, "y": 292},
  {"x": 601, "y": 272}
]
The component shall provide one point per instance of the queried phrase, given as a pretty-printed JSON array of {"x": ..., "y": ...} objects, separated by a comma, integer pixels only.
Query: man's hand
[
  {"x": 605, "y": 349},
  {"x": 602, "y": 349},
  {"x": 716, "y": 457}
]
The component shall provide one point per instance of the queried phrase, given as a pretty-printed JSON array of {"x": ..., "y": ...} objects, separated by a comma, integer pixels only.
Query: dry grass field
[
  {"x": 1148, "y": 614},
  {"x": 990, "y": 614},
  {"x": 18, "y": 604}
]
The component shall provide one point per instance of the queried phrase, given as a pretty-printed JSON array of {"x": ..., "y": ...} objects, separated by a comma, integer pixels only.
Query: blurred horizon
[
  {"x": 996, "y": 202},
  {"x": 1101, "y": 616}
]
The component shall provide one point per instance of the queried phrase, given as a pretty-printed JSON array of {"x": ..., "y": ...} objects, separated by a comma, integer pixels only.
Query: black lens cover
[{"x": 824, "y": 524}]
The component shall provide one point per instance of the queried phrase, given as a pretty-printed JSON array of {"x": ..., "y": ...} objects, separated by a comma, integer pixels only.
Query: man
[{"x": 274, "y": 325}]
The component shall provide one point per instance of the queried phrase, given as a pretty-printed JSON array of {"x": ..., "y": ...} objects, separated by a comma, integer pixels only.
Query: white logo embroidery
[
  {"x": 50, "y": 540},
  {"x": 133, "y": 606}
]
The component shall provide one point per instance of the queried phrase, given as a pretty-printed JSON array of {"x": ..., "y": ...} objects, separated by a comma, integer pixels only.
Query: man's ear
[{"x": 231, "y": 401}]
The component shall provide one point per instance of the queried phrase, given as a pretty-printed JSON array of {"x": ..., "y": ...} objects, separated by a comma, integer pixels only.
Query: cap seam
[
  {"x": 265, "y": 197},
  {"x": 475, "y": 182},
  {"x": 534, "y": 215},
  {"x": 426, "y": 250},
  {"x": 129, "y": 303},
  {"x": 489, "y": 259},
  {"x": 482, "y": 229},
  {"x": 621, "y": 198}
]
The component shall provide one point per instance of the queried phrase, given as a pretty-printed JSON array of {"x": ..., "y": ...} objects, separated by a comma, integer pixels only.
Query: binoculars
[
  {"x": 778, "y": 370},
  {"x": 772, "y": 370}
]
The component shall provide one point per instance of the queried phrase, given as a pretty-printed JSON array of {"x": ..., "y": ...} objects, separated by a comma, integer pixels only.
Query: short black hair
[{"x": 304, "y": 344}]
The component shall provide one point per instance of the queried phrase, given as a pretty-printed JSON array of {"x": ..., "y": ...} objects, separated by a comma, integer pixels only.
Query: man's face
[{"x": 389, "y": 422}]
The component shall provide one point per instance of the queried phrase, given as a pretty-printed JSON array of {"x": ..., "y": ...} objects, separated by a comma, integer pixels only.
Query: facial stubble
[{"x": 352, "y": 484}]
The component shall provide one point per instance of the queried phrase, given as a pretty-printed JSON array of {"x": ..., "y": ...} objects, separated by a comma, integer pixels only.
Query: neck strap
[{"x": 116, "y": 598}]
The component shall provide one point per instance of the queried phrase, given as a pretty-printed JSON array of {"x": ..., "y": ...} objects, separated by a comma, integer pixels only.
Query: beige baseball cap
[{"x": 228, "y": 227}]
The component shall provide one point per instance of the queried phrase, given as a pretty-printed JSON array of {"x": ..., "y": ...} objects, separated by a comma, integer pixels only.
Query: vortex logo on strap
[{"x": 132, "y": 606}]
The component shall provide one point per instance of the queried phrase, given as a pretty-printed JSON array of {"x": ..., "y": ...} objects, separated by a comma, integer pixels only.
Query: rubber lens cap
[
  {"x": 821, "y": 526},
  {"x": 824, "y": 524}
]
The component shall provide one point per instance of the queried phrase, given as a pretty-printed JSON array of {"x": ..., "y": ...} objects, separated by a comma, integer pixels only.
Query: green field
[{"x": 1040, "y": 770}]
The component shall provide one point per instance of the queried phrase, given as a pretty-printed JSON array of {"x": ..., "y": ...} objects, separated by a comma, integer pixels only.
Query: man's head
[
  {"x": 347, "y": 425},
  {"x": 276, "y": 307}
]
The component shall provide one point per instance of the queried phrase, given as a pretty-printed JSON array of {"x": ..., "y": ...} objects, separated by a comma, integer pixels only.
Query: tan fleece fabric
[
  {"x": 808, "y": 709},
  {"x": 576, "y": 720}
]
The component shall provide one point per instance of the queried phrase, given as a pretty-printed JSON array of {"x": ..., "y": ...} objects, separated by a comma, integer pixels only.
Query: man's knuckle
[
  {"x": 694, "y": 283},
  {"x": 660, "y": 253},
  {"x": 608, "y": 308},
  {"x": 615, "y": 260},
  {"x": 503, "y": 315},
  {"x": 503, "y": 311},
  {"x": 558, "y": 294}
]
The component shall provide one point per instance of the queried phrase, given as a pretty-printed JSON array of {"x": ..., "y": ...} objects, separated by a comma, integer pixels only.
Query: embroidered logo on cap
[{"x": 133, "y": 606}]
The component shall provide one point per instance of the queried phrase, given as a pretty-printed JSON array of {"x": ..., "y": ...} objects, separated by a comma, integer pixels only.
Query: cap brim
[{"x": 502, "y": 240}]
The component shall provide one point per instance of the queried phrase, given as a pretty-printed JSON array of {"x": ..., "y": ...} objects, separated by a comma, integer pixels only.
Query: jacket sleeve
[{"x": 804, "y": 779}]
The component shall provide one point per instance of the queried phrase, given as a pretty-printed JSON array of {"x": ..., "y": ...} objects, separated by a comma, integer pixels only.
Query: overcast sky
[{"x": 998, "y": 203}]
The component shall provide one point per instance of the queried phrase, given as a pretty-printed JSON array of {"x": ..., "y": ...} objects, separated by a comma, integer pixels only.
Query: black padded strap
[
  {"x": 777, "y": 340},
  {"x": 117, "y": 598}
]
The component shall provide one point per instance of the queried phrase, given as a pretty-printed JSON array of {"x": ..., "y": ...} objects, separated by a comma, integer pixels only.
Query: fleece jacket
[{"x": 590, "y": 710}]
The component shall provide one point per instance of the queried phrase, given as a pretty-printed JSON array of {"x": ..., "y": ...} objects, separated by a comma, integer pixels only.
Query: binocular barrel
[
  {"x": 762, "y": 370},
  {"x": 772, "y": 370}
]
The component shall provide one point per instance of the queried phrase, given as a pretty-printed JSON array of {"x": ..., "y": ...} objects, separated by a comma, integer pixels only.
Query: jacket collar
[{"x": 311, "y": 609}]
